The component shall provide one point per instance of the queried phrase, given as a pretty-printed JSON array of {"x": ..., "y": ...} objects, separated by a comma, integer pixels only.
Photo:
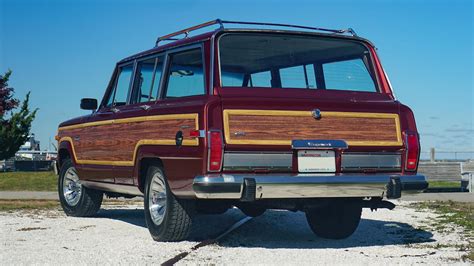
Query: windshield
[{"x": 291, "y": 61}]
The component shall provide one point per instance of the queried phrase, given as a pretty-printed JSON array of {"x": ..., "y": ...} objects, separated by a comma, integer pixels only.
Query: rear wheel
[
  {"x": 76, "y": 200},
  {"x": 167, "y": 218},
  {"x": 337, "y": 220}
]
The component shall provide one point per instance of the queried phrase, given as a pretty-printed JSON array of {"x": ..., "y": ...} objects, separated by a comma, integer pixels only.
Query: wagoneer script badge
[{"x": 316, "y": 114}]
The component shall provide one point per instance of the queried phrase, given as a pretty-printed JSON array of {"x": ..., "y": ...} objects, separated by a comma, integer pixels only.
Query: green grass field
[
  {"x": 28, "y": 181},
  {"x": 445, "y": 184}
]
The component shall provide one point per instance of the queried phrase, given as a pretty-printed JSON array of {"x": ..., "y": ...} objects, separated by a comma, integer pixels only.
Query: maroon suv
[{"x": 293, "y": 117}]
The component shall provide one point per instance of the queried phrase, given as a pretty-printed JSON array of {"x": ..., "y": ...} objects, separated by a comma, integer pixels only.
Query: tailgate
[
  {"x": 279, "y": 127},
  {"x": 261, "y": 139}
]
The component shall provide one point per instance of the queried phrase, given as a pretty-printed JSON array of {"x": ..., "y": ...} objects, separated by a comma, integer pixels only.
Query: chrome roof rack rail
[{"x": 171, "y": 36}]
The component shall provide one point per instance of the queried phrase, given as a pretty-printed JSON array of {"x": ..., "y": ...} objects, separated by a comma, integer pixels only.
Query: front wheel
[
  {"x": 337, "y": 220},
  {"x": 76, "y": 200},
  {"x": 167, "y": 218}
]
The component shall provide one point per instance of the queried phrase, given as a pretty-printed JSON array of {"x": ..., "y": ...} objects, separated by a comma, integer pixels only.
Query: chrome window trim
[
  {"x": 161, "y": 49},
  {"x": 116, "y": 76},
  {"x": 155, "y": 56},
  {"x": 212, "y": 43},
  {"x": 132, "y": 82},
  {"x": 167, "y": 61}
]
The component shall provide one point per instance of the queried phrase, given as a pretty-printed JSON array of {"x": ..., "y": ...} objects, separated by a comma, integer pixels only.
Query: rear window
[{"x": 295, "y": 62}]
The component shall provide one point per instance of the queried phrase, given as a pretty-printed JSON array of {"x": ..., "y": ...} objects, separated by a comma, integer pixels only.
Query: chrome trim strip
[
  {"x": 109, "y": 187},
  {"x": 257, "y": 160},
  {"x": 272, "y": 186},
  {"x": 353, "y": 161},
  {"x": 211, "y": 63}
]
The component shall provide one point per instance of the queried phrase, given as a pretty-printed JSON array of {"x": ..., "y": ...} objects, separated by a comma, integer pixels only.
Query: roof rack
[{"x": 171, "y": 36}]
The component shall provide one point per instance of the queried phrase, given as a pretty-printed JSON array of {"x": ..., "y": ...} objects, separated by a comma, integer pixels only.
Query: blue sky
[{"x": 62, "y": 51}]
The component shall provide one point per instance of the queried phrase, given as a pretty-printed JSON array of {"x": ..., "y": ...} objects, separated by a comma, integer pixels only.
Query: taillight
[
  {"x": 215, "y": 149},
  {"x": 413, "y": 151}
]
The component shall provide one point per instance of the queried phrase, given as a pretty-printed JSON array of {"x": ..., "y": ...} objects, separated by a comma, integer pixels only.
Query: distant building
[
  {"x": 31, "y": 144},
  {"x": 29, "y": 158}
]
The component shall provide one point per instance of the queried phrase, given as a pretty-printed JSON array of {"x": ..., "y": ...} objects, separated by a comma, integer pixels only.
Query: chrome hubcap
[
  {"x": 157, "y": 198},
  {"x": 72, "y": 188}
]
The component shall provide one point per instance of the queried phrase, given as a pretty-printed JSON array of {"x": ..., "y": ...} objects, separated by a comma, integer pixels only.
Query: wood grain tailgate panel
[{"x": 280, "y": 127}]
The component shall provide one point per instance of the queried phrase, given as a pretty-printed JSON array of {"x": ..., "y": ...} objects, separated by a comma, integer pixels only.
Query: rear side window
[
  {"x": 298, "y": 77},
  {"x": 185, "y": 74},
  {"x": 147, "y": 80},
  {"x": 261, "y": 79},
  {"x": 119, "y": 94},
  {"x": 348, "y": 75}
]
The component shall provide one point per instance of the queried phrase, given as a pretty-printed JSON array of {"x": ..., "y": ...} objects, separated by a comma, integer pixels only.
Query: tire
[
  {"x": 252, "y": 211},
  {"x": 167, "y": 218},
  {"x": 76, "y": 200},
  {"x": 337, "y": 220}
]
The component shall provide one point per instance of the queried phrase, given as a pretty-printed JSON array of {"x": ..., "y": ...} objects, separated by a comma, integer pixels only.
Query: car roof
[{"x": 302, "y": 30}]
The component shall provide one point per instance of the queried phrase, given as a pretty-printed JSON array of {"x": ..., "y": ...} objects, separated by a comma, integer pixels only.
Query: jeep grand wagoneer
[{"x": 291, "y": 117}]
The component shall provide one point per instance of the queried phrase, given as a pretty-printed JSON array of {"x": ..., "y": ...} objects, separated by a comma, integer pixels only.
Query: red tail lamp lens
[
  {"x": 215, "y": 150},
  {"x": 413, "y": 150},
  {"x": 194, "y": 133}
]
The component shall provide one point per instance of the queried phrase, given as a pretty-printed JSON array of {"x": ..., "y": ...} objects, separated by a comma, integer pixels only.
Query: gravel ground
[{"x": 119, "y": 236}]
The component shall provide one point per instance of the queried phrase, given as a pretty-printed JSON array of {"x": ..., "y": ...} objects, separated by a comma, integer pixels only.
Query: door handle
[
  {"x": 115, "y": 110},
  {"x": 145, "y": 107}
]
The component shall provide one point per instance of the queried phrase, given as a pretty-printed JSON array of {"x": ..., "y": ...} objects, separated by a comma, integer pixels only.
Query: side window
[
  {"x": 185, "y": 74},
  {"x": 119, "y": 94},
  {"x": 348, "y": 75},
  {"x": 147, "y": 80},
  {"x": 298, "y": 77},
  {"x": 261, "y": 79},
  {"x": 231, "y": 79}
]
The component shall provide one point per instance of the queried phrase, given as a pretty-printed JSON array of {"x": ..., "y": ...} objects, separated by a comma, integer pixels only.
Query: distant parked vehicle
[{"x": 254, "y": 118}]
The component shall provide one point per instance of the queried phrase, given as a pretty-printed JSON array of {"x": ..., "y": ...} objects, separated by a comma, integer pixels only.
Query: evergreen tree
[{"x": 15, "y": 128}]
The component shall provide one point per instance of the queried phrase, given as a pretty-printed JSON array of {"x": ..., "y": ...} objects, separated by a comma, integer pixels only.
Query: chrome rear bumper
[{"x": 273, "y": 186}]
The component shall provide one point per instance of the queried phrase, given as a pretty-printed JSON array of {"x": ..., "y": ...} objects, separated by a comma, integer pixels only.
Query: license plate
[{"x": 322, "y": 161}]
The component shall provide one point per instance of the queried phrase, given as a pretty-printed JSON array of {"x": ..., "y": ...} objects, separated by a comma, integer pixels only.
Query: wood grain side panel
[
  {"x": 276, "y": 127},
  {"x": 116, "y": 143}
]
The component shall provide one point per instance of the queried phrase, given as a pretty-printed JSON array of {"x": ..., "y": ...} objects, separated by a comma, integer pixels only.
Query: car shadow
[
  {"x": 283, "y": 229},
  {"x": 204, "y": 226}
]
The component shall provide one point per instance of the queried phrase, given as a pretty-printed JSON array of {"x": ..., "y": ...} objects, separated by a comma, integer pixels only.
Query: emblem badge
[{"x": 316, "y": 114}]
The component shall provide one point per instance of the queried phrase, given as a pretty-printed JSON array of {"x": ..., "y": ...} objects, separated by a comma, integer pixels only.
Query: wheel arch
[
  {"x": 142, "y": 168},
  {"x": 64, "y": 153}
]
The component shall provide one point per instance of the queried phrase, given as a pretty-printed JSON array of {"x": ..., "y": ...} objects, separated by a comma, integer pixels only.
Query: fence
[{"x": 440, "y": 155}]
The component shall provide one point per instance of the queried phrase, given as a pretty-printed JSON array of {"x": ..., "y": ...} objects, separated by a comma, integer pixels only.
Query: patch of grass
[
  {"x": 444, "y": 184},
  {"x": 459, "y": 213},
  {"x": 10, "y": 205},
  {"x": 28, "y": 181}
]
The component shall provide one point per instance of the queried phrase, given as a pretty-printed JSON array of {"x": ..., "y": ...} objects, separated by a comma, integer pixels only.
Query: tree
[{"x": 14, "y": 130}]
